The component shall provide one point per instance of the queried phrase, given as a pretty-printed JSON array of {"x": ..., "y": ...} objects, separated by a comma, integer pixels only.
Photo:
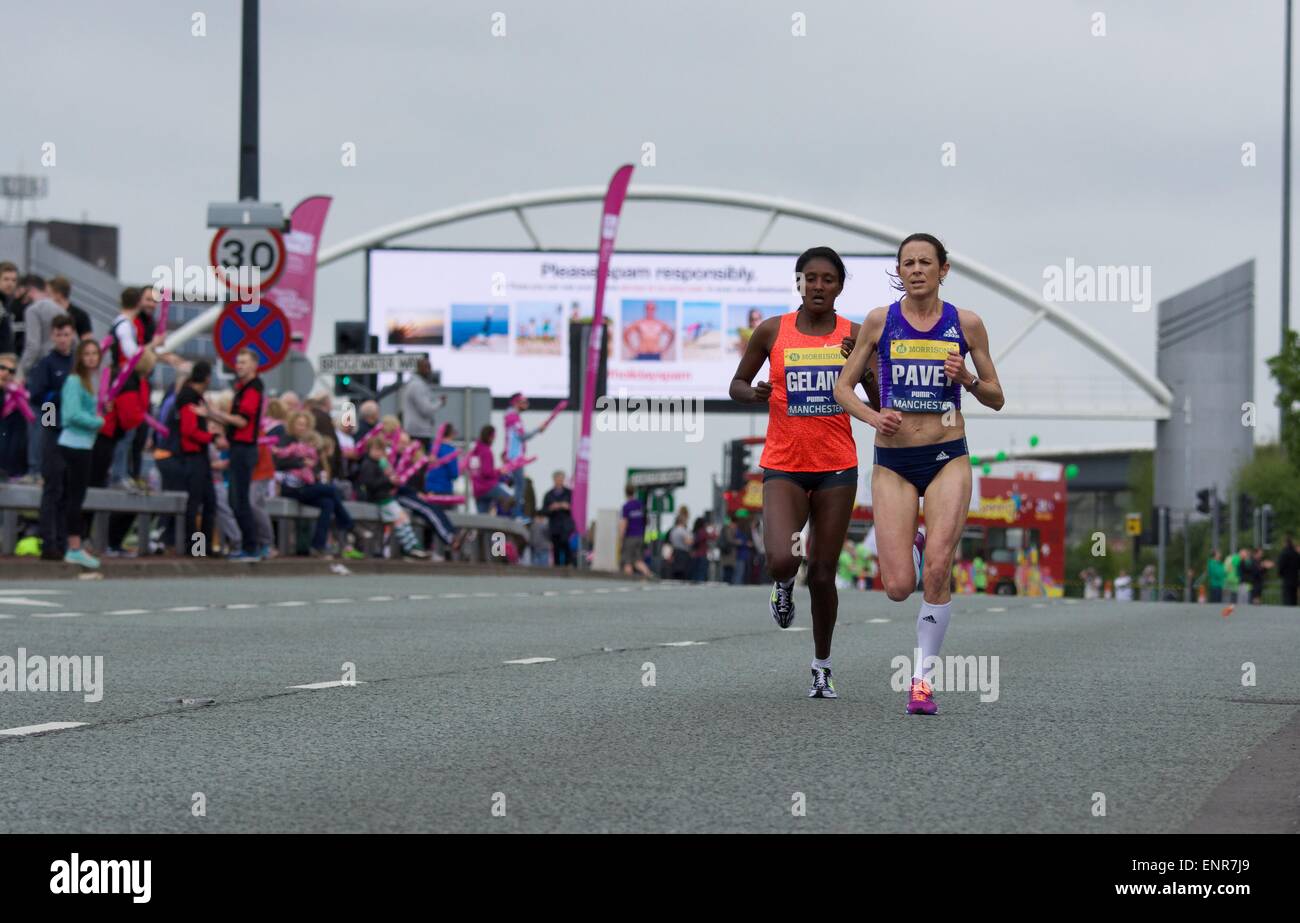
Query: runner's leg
[
  {"x": 894, "y": 505},
  {"x": 947, "y": 499},
  {"x": 785, "y": 510},
  {"x": 831, "y": 510}
]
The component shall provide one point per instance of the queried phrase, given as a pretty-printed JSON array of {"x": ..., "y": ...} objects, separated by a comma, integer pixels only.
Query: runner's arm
[
  {"x": 854, "y": 371},
  {"x": 756, "y": 353},
  {"x": 988, "y": 391},
  {"x": 868, "y": 380}
]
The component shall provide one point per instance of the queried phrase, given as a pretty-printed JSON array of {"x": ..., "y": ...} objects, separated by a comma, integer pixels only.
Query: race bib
[
  {"x": 810, "y": 376},
  {"x": 917, "y": 381}
]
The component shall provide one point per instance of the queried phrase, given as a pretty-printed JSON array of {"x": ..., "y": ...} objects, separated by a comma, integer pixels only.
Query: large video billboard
[{"x": 679, "y": 322}]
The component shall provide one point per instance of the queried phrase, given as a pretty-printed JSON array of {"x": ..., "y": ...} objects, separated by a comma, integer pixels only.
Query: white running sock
[
  {"x": 821, "y": 664},
  {"x": 930, "y": 627}
]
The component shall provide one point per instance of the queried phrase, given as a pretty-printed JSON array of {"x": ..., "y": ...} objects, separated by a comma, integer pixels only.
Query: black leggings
[{"x": 77, "y": 467}]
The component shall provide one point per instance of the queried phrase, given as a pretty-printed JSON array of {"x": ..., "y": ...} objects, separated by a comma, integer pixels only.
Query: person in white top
[{"x": 1124, "y": 587}]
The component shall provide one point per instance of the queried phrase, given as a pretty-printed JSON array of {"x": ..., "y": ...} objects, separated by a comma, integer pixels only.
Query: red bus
[{"x": 1015, "y": 528}]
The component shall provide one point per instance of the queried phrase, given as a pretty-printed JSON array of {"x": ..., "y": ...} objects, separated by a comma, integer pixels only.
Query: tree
[
  {"x": 1271, "y": 478},
  {"x": 1285, "y": 368}
]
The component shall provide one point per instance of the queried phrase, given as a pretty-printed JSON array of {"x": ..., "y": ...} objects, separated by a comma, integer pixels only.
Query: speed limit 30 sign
[{"x": 237, "y": 248}]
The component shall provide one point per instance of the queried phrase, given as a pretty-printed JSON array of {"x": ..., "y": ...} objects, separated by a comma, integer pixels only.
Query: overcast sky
[{"x": 1117, "y": 150}]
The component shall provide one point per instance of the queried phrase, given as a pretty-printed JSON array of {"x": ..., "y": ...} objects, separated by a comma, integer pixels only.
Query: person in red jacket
[
  {"x": 192, "y": 418},
  {"x": 244, "y": 428},
  {"x": 120, "y": 423}
]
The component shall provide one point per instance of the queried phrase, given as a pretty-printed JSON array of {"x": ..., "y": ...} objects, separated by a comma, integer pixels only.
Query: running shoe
[
  {"x": 245, "y": 556},
  {"x": 822, "y": 686},
  {"x": 80, "y": 557},
  {"x": 782, "y": 603},
  {"x": 921, "y": 701},
  {"x": 322, "y": 554}
]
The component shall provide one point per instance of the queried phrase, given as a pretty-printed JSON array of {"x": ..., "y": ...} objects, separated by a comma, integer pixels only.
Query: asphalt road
[{"x": 1142, "y": 703}]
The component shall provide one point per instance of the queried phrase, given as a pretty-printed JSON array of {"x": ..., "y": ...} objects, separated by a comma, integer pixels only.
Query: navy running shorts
[{"x": 920, "y": 463}]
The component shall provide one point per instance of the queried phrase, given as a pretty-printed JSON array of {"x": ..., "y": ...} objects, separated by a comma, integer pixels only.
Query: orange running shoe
[{"x": 921, "y": 701}]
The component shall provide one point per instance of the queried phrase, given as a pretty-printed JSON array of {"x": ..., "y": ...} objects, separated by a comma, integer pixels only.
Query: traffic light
[
  {"x": 1203, "y": 501},
  {"x": 1245, "y": 512},
  {"x": 351, "y": 339},
  {"x": 738, "y": 465}
]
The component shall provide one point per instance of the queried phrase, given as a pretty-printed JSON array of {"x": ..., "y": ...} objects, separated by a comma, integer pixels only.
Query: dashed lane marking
[
  {"x": 40, "y": 728},
  {"x": 528, "y": 661},
  {"x": 329, "y": 685}
]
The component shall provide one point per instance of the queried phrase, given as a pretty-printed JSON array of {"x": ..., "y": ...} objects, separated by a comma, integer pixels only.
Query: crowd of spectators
[{"x": 78, "y": 414}]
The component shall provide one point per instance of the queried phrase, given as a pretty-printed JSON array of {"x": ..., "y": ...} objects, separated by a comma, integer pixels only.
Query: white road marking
[
  {"x": 40, "y": 728},
  {"x": 4, "y": 615},
  {"x": 550, "y": 592},
  {"x": 681, "y": 643},
  {"x": 57, "y": 615},
  {"x": 576, "y": 592},
  {"x": 380, "y": 599},
  {"x": 624, "y": 589},
  {"x": 24, "y": 601},
  {"x": 485, "y": 595},
  {"x": 531, "y": 660},
  {"x": 335, "y": 600},
  {"x": 33, "y": 592},
  {"x": 796, "y": 628},
  {"x": 290, "y": 602},
  {"x": 126, "y": 612},
  {"x": 185, "y": 609},
  {"x": 600, "y": 591},
  {"x": 454, "y": 595},
  {"x": 420, "y": 596},
  {"x": 329, "y": 685},
  {"x": 996, "y": 609},
  {"x": 877, "y": 621},
  {"x": 242, "y": 605}
]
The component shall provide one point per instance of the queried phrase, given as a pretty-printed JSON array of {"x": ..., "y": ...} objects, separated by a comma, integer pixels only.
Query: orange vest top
[{"x": 807, "y": 429}]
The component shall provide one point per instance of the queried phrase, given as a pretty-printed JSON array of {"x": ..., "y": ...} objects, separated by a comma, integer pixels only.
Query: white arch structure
[{"x": 1039, "y": 308}]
